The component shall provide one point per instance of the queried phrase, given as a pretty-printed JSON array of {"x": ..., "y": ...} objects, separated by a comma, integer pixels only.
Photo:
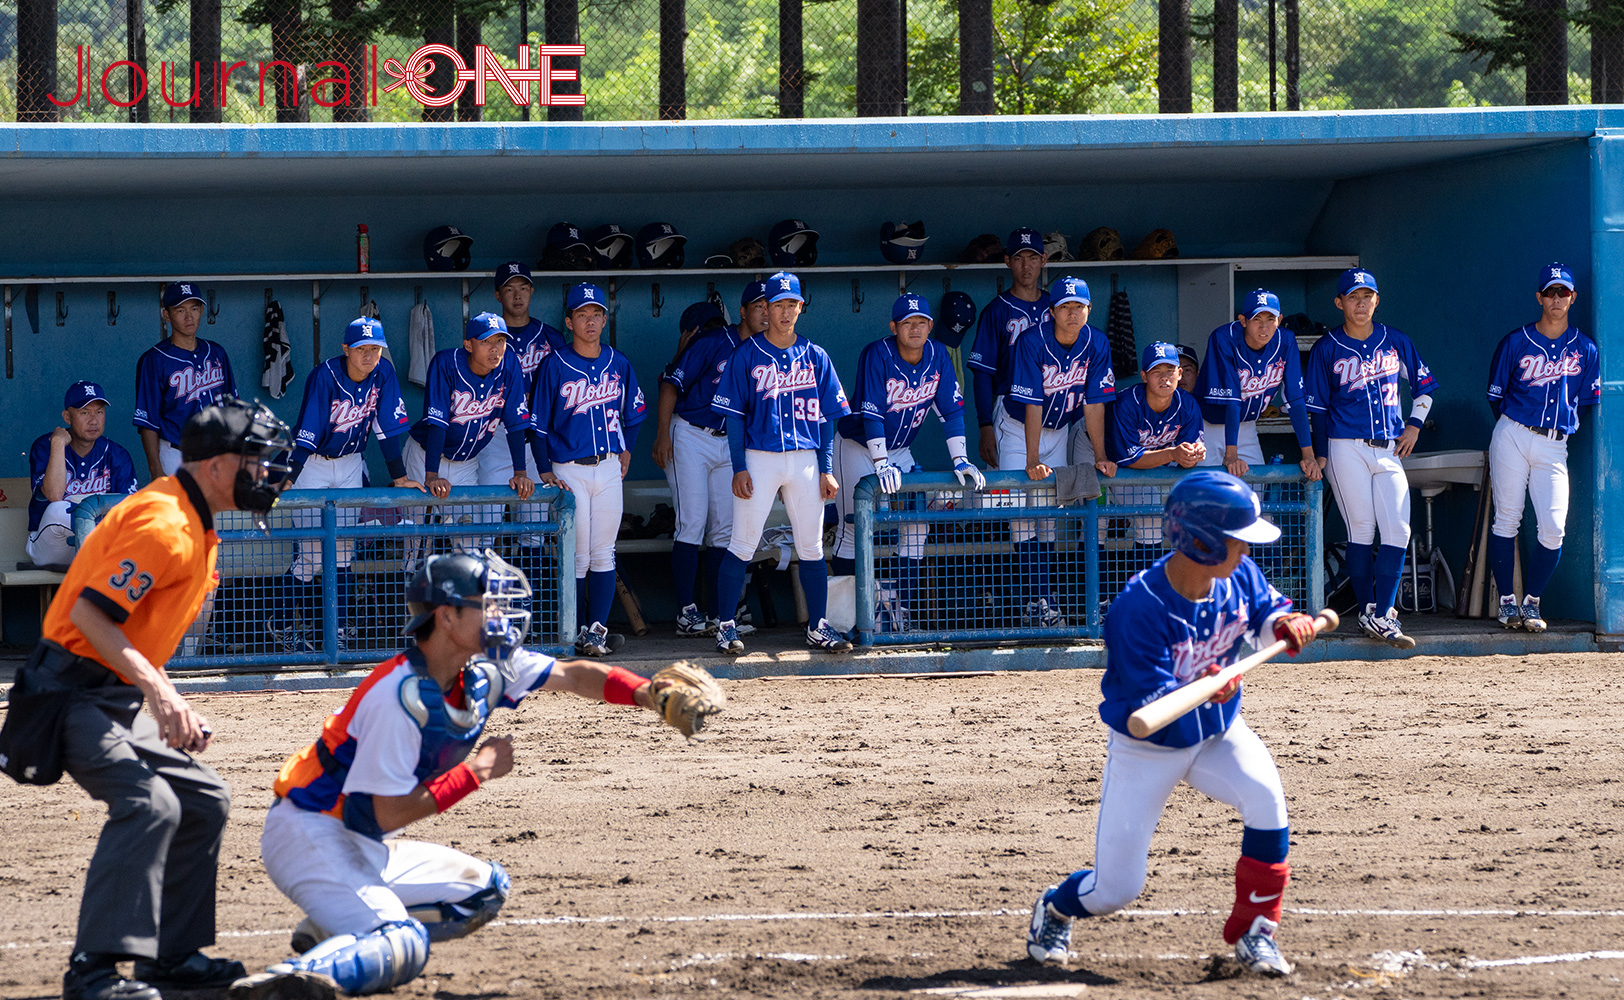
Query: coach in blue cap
[{"x": 67, "y": 465}]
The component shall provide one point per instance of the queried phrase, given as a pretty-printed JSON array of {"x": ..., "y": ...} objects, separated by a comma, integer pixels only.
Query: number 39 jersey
[
  {"x": 1059, "y": 378},
  {"x": 1355, "y": 382},
  {"x": 783, "y": 394}
]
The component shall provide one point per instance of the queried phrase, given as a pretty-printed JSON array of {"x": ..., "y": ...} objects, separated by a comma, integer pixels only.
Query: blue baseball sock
[
  {"x": 815, "y": 583},
  {"x": 842, "y": 567},
  {"x": 1541, "y": 567},
  {"x": 1026, "y": 562},
  {"x": 1389, "y": 567},
  {"x": 713, "y": 567},
  {"x": 600, "y": 593},
  {"x": 1065, "y": 896},
  {"x": 1362, "y": 573},
  {"x": 346, "y": 597},
  {"x": 908, "y": 582},
  {"x": 729, "y": 585},
  {"x": 1503, "y": 561},
  {"x": 684, "y": 568},
  {"x": 1046, "y": 561},
  {"x": 583, "y": 613}
]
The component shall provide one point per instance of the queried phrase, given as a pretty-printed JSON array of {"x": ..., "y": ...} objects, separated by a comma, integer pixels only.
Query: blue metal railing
[
  {"x": 977, "y": 585},
  {"x": 255, "y": 568}
]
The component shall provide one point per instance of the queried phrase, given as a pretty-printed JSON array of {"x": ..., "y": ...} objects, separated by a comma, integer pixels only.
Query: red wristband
[
  {"x": 620, "y": 687},
  {"x": 449, "y": 788}
]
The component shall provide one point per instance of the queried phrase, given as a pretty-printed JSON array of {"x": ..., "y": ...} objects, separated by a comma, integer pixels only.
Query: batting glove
[
  {"x": 890, "y": 475},
  {"x": 968, "y": 474},
  {"x": 1296, "y": 630},
  {"x": 1225, "y": 693}
]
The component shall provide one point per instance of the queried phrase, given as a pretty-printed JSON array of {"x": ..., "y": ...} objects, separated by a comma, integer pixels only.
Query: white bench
[{"x": 14, "y": 494}]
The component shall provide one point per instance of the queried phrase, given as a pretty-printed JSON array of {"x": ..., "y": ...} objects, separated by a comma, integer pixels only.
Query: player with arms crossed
[
  {"x": 1351, "y": 391},
  {"x": 176, "y": 378},
  {"x": 992, "y": 354},
  {"x": 1061, "y": 375},
  {"x": 67, "y": 465},
  {"x": 1153, "y": 425},
  {"x": 1184, "y": 617},
  {"x": 402, "y": 749},
  {"x": 1249, "y": 362},
  {"x": 781, "y": 398},
  {"x": 1540, "y": 376},
  {"x": 587, "y": 410},
  {"x": 901, "y": 380}
]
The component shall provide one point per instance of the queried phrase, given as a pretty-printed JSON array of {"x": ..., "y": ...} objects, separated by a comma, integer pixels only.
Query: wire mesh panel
[{"x": 939, "y": 564}]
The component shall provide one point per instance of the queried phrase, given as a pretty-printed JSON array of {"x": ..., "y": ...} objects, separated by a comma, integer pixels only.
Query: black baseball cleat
[
  {"x": 105, "y": 983},
  {"x": 196, "y": 971}
]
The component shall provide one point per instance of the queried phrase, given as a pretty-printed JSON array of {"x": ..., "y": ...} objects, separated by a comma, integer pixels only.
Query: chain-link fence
[{"x": 350, "y": 60}]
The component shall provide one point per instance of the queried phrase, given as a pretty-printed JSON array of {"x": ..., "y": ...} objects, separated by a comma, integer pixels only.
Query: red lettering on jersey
[
  {"x": 1538, "y": 370},
  {"x": 100, "y": 481},
  {"x": 583, "y": 394},
  {"x": 465, "y": 409},
  {"x": 1356, "y": 372},
  {"x": 1056, "y": 381},
  {"x": 771, "y": 383},
  {"x": 191, "y": 383},
  {"x": 1192, "y": 656},
  {"x": 899, "y": 395},
  {"x": 1259, "y": 385},
  {"x": 346, "y": 416}
]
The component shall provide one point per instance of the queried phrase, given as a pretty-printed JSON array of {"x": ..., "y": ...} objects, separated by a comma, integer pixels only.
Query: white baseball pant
[
  {"x": 463, "y": 473},
  {"x": 701, "y": 478},
  {"x": 495, "y": 469},
  {"x": 1053, "y": 444},
  {"x": 1371, "y": 490},
  {"x": 1523, "y": 462},
  {"x": 852, "y": 463},
  {"x": 1247, "y": 445},
  {"x": 52, "y": 543},
  {"x": 793, "y": 473},
  {"x": 168, "y": 457},
  {"x": 600, "y": 501},
  {"x": 320, "y": 474}
]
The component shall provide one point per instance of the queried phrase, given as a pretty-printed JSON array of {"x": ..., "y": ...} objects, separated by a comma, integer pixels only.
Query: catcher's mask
[
  {"x": 251, "y": 431},
  {"x": 474, "y": 579}
]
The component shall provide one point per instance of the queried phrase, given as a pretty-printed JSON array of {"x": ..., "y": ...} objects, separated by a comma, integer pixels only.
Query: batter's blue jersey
[
  {"x": 338, "y": 412},
  {"x": 587, "y": 406},
  {"x": 1540, "y": 382},
  {"x": 532, "y": 344},
  {"x": 1234, "y": 373},
  {"x": 1058, "y": 378},
  {"x": 1133, "y": 428},
  {"x": 892, "y": 397},
  {"x": 171, "y": 384},
  {"x": 694, "y": 375},
  {"x": 1000, "y": 327},
  {"x": 1355, "y": 382},
  {"x": 469, "y": 407},
  {"x": 784, "y": 395},
  {"x": 1157, "y": 640},
  {"x": 107, "y": 469}
]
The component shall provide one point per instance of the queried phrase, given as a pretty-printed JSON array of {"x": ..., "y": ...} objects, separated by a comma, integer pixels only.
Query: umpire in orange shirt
[{"x": 138, "y": 582}]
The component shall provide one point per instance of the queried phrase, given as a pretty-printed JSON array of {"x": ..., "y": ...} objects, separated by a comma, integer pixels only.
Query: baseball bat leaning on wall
[{"x": 1156, "y": 715}]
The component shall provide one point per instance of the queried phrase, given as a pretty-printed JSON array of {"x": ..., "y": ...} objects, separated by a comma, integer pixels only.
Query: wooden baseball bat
[{"x": 1158, "y": 714}]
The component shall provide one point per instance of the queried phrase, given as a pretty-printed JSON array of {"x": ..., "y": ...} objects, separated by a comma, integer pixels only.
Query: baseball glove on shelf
[
  {"x": 747, "y": 251},
  {"x": 1159, "y": 244},
  {"x": 685, "y": 696}
]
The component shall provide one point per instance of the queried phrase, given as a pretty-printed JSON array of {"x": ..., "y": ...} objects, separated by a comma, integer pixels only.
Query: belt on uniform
[
  {"x": 591, "y": 459},
  {"x": 715, "y": 432},
  {"x": 1545, "y": 432},
  {"x": 1382, "y": 443}
]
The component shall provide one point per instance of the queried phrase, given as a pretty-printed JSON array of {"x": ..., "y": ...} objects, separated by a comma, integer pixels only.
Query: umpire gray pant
[{"x": 151, "y": 884}]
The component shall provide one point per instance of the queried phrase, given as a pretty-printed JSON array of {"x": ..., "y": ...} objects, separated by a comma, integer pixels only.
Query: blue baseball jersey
[
  {"x": 338, "y": 412},
  {"x": 1540, "y": 382},
  {"x": 1133, "y": 428},
  {"x": 892, "y": 397},
  {"x": 107, "y": 469},
  {"x": 1355, "y": 382},
  {"x": 695, "y": 373},
  {"x": 784, "y": 394},
  {"x": 471, "y": 408},
  {"x": 1059, "y": 378},
  {"x": 532, "y": 344},
  {"x": 1157, "y": 640},
  {"x": 1000, "y": 327},
  {"x": 1234, "y": 373},
  {"x": 171, "y": 384},
  {"x": 587, "y": 406}
]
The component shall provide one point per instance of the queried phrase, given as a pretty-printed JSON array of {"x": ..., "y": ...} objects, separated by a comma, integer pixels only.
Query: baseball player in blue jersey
[
  {"x": 992, "y": 354},
  {"x": 67, "y": 465},
  {"x": 1152, "y": 425},
  {"x": 1184, "y": 617},
  {"x": 1540, "y": 376},
  {"x": 1060, "y": 375},
  {"x": 1351, "y": 390},
  {"x": 901, "y": 380},
  {"x": 781, "y": 398},
  {"x": 346, "y": 399},
  {"x": 177, "y": 377},
  {"x": 587, "y": 410},
  {"x": 1250, "y": 362},
  {"x": 691, "y": 446}
]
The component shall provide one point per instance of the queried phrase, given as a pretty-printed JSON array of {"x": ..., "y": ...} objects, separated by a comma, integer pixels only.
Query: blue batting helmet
[
  {"x": 958, "y": 312},
  {"x": 1204, "y": 508}
]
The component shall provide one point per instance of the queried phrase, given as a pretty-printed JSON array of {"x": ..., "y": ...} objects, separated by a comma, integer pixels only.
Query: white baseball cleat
[
  {"x": 727, "y": 638},
  {"x": 1531, "y": 619},
  {"x": 1509, "y": 616},
  {"x": 1385, "y": 627},
  {"x": 1048, "y": 937},
  {"x": 1257, "y": 952},
  {"x": 824, "y": 636},
  {"x": 692, "y": 622}
]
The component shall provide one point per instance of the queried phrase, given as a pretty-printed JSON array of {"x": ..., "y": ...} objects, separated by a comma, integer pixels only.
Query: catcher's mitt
[
  {"x": 984, "y": 248},
  {"x": 747, "y": 251},
  {"x": 685, "y": 696},
  {"x": 1103, "y": 243},
  {"x": 1158, "y": 245}
]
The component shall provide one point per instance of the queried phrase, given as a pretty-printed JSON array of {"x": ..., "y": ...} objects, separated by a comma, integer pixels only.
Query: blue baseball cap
[
  {"x": 585, "y": 294},
  {"x": 1353, "y": 278},
  {"x": 365, "y": 330},
  {"x": 82, "y": 394},
  {"x": 485, "y": 325},
  {"x": 1555, "y": 274},
  {"x": 697, "y": 315},
  {"x": 753, "y": 291},
  {"x": 513, "y": 269},
  {"x": 1261, "y": 300},
  {"x": 909, "y": 305},
  {"x": 784, "y": 285},
  {"x": 1158, "y": 353},
  {"x": 1069, "y": 288},
  {"x": 177, "y": 292},
  {"x": 1024, "y": 239}
]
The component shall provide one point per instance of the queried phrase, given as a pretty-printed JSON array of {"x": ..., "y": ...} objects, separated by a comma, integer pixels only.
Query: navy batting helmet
[
  {"x": 793, "y": 243},
  {"x": 447, "y": 248},
  {"x": 659, "y": 245},
  {"x": 903, "y": 242},
  {"x": 1207, "y": 507},
  {"x": 612, "y": 246},
  {"x": 958, "y": 313}
]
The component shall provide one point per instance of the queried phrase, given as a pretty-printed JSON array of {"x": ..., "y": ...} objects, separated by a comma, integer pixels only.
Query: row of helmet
[{"x": 792, "y": 243}]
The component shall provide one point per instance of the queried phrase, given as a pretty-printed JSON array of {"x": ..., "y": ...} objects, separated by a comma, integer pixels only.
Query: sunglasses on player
[{"x": 1555, "y": 292}]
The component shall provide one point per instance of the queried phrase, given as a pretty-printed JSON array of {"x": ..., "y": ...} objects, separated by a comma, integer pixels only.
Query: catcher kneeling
[{"x": 402, "y": 749}]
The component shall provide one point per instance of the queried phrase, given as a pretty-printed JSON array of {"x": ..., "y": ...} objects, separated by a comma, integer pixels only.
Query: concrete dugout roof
[{"x": 110, "y": 161}]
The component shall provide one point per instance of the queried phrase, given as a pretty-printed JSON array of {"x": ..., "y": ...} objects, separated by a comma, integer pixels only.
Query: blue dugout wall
[{"x": 1453, "y": 210}]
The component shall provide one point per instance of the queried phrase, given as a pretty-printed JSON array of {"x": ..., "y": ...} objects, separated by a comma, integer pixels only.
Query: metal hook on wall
[
  {"x": 658, "y": 300},
  {"x": 1113, "y": 282},
  {"x": 112, "y": 308},
  {"x": 214, "y": 307},
  {"x": 856, "y": 295},
  {"x": 363, "y": 311},
  {"x": 417, "y": 295},
  {"x": 61, "y": 308}
]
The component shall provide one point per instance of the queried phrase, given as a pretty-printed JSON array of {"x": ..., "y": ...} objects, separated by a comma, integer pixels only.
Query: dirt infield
[{"x": 880, "y": 836}]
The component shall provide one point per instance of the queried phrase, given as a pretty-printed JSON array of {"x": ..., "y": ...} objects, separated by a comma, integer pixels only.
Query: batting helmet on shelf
[
  {"x": 611, "y": 246},
  {"x": 1207, "y": 507},
  {"x": 903, "y": 242},
  {"x": 1103, "y": 243},
  {"x": 446, "y": 248},
  {"x": 659, "y": 245},
  {"x": 567, "y": 249},
  {"x": 793, "y": 243},
  {"x": 958, "y": 316}
]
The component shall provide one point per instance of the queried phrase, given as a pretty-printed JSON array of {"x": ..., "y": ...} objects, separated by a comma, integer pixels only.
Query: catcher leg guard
[
  {"x": 1258, "y": 890},
  {"x": 390, "y": 956},
  {"x": 448, "y": 921}
]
